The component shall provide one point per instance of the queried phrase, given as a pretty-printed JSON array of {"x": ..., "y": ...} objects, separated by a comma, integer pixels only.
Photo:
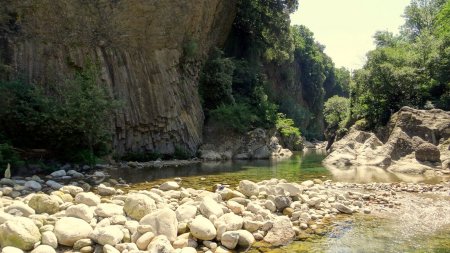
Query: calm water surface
[{"x": 302, "y": 166}]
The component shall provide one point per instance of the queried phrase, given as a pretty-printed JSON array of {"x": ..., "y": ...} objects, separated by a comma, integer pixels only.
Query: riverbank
[{"x": 176, "y": 218}]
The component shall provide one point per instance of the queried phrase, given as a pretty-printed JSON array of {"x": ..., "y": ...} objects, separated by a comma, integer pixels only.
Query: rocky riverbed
[{"x": 46, "y": 216}]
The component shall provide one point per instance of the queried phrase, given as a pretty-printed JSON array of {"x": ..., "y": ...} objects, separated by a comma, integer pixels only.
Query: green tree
[
  {"x": 68, "y": 118},
  {"x": 335, "y": 111},
  {"x": 216, "y": 81},
  {"x": 411, "y": 69},
  {"x": 263, "y": 28},
  {"x": 420, "y": 16}
]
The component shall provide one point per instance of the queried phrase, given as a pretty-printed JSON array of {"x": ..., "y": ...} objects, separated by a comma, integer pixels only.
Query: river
[{"x": 421, "y": 224}]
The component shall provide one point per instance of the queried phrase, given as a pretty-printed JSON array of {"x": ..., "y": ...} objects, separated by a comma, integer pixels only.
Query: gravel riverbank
[{"x": 46, "y": 216}]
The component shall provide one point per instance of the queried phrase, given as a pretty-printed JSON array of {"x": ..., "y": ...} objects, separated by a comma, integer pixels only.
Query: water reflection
[
  {"x": 302, "y": 166},
  {"x": 368, "y": 174}
]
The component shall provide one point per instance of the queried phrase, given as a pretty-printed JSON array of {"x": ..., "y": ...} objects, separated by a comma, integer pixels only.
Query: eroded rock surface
[{"x": 414, "y": 141}]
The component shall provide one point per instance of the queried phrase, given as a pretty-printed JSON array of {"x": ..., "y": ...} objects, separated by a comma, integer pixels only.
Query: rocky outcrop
[
  {"x": 256, "y": 144},
  {"x": 413, "y": 141},
  {"x": 142, "y": 50}
]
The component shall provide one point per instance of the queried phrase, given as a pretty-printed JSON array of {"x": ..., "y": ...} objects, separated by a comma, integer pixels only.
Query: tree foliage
[
  {"x": 411, "y": 69},
  {"x": 66, "y": 118},
  {"x": 286, "y": 126},
  {"x": 335, "y": 111},
  {"x": 264, "y": 26},
  {"x": 216, "y": 81}
]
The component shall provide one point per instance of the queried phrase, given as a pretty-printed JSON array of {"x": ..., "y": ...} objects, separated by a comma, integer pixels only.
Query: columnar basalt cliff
[{"x": 149, "y": 52}]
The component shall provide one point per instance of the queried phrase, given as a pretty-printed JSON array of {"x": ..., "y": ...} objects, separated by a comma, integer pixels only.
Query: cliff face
[{"x": 149, "y": 51}]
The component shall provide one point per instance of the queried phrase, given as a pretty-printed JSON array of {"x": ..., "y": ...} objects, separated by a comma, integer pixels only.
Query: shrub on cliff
[
  {"x": 286, "y": 126},
  {"x": 236, "y": 117},
  {"x": 69, "y": 118},
  {"x": 216, "y": 81}
]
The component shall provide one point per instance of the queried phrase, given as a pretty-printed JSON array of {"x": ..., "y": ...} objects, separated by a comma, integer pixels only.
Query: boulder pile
[{"x": 171, "y": 218}]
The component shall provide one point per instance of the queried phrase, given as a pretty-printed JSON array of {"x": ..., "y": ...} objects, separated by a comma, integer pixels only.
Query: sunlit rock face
[
  {"x": 413, "y": 142},
  {"x": 149, "y": 53}
]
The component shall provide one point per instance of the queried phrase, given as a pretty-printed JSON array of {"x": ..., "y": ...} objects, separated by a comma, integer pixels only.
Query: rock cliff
[
  {"x": 150, "y": 53},
  {"x": 414, "y": 141}
]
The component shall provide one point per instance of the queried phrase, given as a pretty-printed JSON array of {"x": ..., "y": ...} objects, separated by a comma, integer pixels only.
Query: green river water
[{"x": 411, "y": 230}]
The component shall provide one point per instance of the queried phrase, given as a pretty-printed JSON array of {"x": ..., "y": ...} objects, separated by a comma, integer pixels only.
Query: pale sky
[{"x": 346, "y": 27}]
